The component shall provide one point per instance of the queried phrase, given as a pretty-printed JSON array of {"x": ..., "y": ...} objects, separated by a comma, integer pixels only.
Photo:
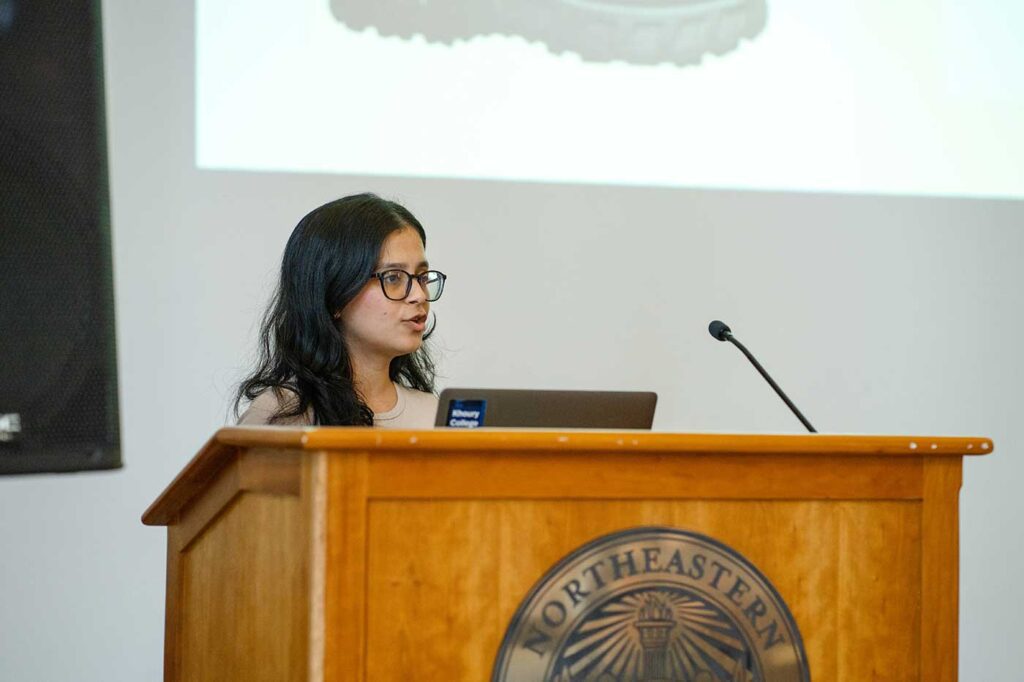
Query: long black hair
[{"x": 329, "y": 257}]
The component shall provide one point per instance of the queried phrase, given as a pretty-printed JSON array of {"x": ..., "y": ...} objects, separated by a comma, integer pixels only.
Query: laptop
[{"x": 470, "y": 408}]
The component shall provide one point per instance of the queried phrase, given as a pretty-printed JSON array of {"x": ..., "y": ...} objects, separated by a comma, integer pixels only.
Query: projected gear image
[{"x": 679, "y": 32}]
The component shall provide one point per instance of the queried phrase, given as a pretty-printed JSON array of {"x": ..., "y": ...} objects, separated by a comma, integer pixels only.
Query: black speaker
[{"x": 58, "y": 372}]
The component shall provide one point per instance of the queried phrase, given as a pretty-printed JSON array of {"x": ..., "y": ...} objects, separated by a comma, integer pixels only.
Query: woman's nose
[{"x": 417, "y": 292}]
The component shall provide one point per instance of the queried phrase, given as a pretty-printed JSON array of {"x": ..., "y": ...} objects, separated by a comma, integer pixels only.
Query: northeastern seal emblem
[{"x": 652, "y": 605}]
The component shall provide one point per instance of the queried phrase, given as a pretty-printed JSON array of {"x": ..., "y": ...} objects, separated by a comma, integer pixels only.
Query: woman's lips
[{"x": 418, "y": 323}]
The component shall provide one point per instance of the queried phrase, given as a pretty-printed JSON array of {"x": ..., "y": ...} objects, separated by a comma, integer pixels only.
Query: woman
[{"x": 342, "y": 341}]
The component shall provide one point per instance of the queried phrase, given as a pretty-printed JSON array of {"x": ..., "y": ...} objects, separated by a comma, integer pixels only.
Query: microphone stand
[{"x": 721, "y": 331}]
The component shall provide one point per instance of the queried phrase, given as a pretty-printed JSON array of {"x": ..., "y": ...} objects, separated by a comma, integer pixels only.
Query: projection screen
[{"x": 864, "y": 96}]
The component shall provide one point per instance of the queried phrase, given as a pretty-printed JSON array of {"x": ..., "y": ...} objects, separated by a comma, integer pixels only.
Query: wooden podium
[{"x": 366, "y": 554}]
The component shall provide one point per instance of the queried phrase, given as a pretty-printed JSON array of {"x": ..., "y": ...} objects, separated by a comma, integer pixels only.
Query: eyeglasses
[{"x": 398, "y": 283}]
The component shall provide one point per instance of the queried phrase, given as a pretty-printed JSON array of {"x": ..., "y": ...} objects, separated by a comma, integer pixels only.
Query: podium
[{"x": 367, "y": 554}]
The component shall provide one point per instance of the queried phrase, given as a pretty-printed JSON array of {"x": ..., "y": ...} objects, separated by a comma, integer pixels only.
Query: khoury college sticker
[{"x": 652, "y": 605}]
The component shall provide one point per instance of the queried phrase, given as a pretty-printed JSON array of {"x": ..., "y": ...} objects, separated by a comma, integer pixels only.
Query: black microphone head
[{"x": 718, "y": 329}]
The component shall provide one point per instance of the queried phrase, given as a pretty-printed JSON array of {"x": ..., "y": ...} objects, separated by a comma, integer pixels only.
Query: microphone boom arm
[{"x": 721, "y": 331}]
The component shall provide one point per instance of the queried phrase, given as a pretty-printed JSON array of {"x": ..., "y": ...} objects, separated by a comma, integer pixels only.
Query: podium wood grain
[{"x": 357, "y": 554}]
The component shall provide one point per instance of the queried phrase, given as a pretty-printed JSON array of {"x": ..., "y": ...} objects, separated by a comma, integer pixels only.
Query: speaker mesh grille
[{"x": 57, "y": 368}]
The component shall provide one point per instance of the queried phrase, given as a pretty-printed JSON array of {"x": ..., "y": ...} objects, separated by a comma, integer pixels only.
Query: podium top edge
[
  {"x": 223, "y": 447},
  {"x": 526, "y": 440}
]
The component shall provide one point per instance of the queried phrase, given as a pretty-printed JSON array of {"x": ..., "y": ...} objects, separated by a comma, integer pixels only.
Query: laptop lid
[{"x": 475, "y": 407}]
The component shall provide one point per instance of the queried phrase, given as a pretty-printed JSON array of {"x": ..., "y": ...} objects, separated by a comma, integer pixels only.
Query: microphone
[{"x": 720, "y": 330}]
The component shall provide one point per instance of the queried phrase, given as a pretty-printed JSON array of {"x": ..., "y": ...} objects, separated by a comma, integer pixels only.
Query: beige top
[{"x": 413, "y": 410}]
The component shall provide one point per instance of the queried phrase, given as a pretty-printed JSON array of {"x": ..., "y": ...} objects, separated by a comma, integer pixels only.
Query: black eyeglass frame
[{"x": 379, "y": 276}]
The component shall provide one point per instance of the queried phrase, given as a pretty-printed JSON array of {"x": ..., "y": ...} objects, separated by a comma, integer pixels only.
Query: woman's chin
[{"x": 411, "y": 347}]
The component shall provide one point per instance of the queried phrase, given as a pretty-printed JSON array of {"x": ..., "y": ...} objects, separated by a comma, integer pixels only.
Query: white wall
[{"x": 877, "y": 316}]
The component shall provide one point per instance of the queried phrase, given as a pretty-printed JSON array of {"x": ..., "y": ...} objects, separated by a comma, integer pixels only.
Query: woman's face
[{"x": 374, "y": 326}]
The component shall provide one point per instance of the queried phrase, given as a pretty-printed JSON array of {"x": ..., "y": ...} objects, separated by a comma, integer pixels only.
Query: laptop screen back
[{"x": 473, "y": 408}]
